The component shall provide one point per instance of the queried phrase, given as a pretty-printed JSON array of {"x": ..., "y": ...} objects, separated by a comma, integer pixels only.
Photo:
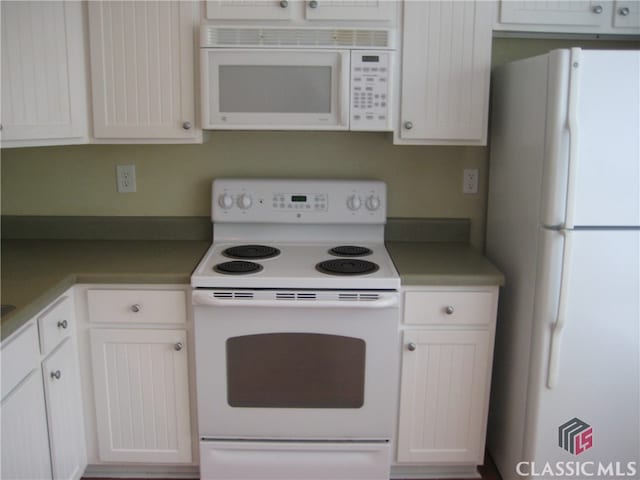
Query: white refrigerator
[{"x": 563, "y": 224}]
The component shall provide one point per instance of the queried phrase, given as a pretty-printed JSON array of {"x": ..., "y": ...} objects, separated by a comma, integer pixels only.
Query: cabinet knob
[
  {"x": 136, "y": 308},
  {"x": 178, "y": 346},
  {"x": 624, "y": 11},
  {"x": 187, "y": 125},
  {"x": 56, "y": 375},
  {"x": 63, "y": 324},
  {"x": 284, "y": 3},
  {"x": 449, "y": 310},
  {"x": 408, "y": 125},
  {"x": 411, "y": 347},
  {"x": 597, "y": 9},
  {"x": 313, "y": 4}
]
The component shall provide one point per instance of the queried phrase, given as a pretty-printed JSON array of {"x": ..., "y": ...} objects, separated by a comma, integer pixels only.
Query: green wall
[{"x": 174, "y": 180}]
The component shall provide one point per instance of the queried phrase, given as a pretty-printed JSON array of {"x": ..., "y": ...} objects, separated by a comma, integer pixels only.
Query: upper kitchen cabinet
[
  {"x": 143, "y": 71},
  {"x": 44, "y": 99},
  {"x": 446, "y": 63},
  {"x": 604, "y": 17},
  {"x": 297, "y": 11}
]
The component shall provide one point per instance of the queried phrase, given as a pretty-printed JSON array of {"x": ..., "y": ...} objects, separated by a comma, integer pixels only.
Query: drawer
[
  {"x": 19, "y": 357},
  {"x": 137, "y": 306},
  {"x": 55, "y": 324},
  {"x": 449, "y": 308}
]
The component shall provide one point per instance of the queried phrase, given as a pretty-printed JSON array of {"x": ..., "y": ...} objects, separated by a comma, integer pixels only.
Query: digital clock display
[{"x": 298, "y": 198}]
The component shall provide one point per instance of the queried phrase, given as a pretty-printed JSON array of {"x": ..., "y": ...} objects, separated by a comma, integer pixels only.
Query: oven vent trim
[
  {"x": 233, "y": 295},
  {"x": 282, "y": 37},
  {"x": 358, "y": 297},
  {"x": 297, "y": 296}
]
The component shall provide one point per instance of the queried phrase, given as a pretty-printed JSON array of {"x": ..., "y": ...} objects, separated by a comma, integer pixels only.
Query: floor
[{"x": 488, "y": 471}]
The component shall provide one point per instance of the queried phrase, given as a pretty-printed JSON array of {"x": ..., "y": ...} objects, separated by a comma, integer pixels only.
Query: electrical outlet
[
  {"x": 126, "y": 178},
  {"x": 470, "y": 180}
]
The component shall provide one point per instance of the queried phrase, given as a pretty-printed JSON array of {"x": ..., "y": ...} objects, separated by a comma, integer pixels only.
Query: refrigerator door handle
[
  {"x": 572, "y": 126},
  {"x": 558, "y": 326}
]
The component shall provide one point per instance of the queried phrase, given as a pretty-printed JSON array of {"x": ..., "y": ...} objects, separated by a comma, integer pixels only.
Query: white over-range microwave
[{"x": 296, "y": 78}]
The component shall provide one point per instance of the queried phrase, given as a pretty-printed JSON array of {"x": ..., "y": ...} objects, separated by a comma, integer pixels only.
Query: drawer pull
[
  {"x": 63, "y": 324},
  {"x": 449, "y": 310},
  {"x": 411, "y": 347},
  {"x": 178, "y": 346},
  {"x": 56, "y": 375},
  {"x": 135, "y": 308}
]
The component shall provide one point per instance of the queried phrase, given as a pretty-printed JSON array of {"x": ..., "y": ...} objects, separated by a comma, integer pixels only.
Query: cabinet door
[
  {"x": 443, "y": 396},
  {"x": 25, "y": 444},
  {"x": 64, "y": 412},
  {"x": 562, "y": 12},
  {"x": 445, "y": 72},
  {"x": 382, "y": 10},
  {"x": 249, "y": 10},
  {"x": 142, "y": 70},
  {"x": 43, "y": 74},
  {"x": 142, "y": 395}
]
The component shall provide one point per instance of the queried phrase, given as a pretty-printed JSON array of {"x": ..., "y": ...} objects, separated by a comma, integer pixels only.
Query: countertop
[{"x": 35, "y": 272}]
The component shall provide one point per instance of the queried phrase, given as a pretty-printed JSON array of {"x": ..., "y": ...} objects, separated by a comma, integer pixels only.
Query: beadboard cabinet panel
[
  {"x": 25, "y": 444},
  {"x": 66, "y": 427},
  {"x": 44, "y": 99},
  {"x": 444, "y": 385},
  {"x": 143, "y": 70},
  {"x": 142, "y": 395},
  {"x": 446, "y": 64}
]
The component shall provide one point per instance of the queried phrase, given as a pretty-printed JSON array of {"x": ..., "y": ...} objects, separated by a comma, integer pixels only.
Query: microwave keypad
[{"x": 370, "y": 91}]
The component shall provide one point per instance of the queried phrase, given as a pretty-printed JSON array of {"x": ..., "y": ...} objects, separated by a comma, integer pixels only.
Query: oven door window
[{"x": 295, "y": 370}]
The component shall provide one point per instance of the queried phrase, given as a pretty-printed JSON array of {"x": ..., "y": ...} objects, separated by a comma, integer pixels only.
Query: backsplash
[{"x": 175, "y": 180}]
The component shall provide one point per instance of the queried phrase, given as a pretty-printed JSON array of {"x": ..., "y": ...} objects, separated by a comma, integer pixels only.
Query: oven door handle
[{"x": 205, "y": 298}]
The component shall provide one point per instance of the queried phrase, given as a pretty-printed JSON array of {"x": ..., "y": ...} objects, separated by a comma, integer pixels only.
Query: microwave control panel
[{"x": 370, "y": 90}]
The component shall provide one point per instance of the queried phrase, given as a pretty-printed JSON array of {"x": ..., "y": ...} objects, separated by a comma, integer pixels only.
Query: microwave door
[{"x": 283, "y": 89}]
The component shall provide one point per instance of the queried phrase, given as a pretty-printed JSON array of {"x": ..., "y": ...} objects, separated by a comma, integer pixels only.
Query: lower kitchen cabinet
[
  {"x": 141, "y": 386},
  {"x": 66, "y": 426},
  {"x": 25, "y": 442},
  {"x": 443, "y": 395},
  {"x": 447, "y": 349},
  {"x": 42, "y": 416}
]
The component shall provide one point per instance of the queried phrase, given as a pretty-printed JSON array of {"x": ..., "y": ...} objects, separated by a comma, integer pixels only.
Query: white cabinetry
[
  {"x": 446, "y": 63},
  {"x": 138, "y": 341},
  {"x": 447, "y": 349},
  {"x": 143, "y": 71},
  {"x": 25, "y": 443},
  {"x": 301, "y": 10},
  {"x": 43, "y": 429},
  {"x": 44, "y": 99},
  {"x": 604, "y": 16}
]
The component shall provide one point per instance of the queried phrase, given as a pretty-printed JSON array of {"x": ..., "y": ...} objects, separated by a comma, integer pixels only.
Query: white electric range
[{"x": 296, "y": 314}]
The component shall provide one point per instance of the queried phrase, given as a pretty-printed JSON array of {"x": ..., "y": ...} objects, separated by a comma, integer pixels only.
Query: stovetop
[
  {"x": 297, "y": 234},
  {"x": 297, "y": 266}
]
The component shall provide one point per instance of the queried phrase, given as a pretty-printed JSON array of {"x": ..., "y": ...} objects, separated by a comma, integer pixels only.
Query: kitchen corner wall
[{"x": 175, "y": 180}]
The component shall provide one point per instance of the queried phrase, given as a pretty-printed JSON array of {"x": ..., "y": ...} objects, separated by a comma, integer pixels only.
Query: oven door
[{"x": 304, "y": 366}]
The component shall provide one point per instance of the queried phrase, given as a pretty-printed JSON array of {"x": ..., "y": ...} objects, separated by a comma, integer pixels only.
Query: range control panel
[
  {"x": 370, "y": 90},
  {"x": 298, "y": 201}
]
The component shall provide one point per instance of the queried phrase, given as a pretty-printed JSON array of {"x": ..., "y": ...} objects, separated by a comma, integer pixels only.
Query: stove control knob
[
  {"x": 354, "y": 202},
  {"x": 245, "y": 201},
  {"x": 373, "y": 203},
  {"x": 225, "y": 201}
]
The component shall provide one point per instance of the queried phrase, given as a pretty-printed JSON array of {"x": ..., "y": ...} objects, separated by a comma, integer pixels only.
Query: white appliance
[
  {"x": 563, "y": 225},
  {"x": 296, "y": 314},
  {"x": 296, "y": 78}
]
